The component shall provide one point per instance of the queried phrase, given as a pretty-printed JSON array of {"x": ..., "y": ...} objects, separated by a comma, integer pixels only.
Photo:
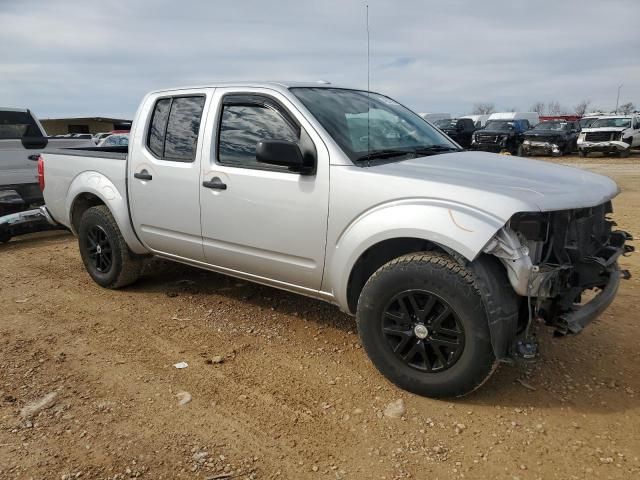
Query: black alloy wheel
[
  {"x": 99, "y": 249},
  {"x": 423, "y": 330}
]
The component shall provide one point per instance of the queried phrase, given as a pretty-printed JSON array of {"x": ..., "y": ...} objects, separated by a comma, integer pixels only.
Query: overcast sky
[{"x": 93, "y": 58}]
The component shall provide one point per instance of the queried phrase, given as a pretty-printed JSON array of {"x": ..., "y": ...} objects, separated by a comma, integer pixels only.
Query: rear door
[
  {"x": 164, "y": 173},
  {"x": 17, "y": 126},
  {"x": 263, "y": 221}
]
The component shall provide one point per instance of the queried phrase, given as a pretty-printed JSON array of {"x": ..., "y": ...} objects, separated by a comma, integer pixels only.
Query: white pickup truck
[
  {"x": 611, "y": 134},
  {"x": 445, "y": 257}
]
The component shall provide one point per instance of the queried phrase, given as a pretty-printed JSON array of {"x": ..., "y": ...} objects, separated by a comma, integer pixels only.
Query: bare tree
[
  {"x": 627, "y": 108},
  {"x": 484, "y": 108},
  {"x": 581, "y": 108},
  {"x": 538, "y": 107},
  {"x": 554, "y": 108}
]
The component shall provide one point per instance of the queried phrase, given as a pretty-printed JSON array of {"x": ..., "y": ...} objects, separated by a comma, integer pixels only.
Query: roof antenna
[{"x": 368, "y": 91}]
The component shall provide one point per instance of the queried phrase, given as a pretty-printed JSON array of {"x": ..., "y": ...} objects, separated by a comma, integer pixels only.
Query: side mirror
[
  {"x": 31, "y": 143},
  {"x": 282, "y": 153}
]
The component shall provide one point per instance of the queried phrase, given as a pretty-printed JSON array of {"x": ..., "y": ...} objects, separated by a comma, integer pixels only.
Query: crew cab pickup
[
  {"x": 551, "y": 137},
  {"x": 501, "y": 136},
  {"x": 613, "y": 134},
  {"x": 22, "y": 138},
  {"x": 444, "y": 256},
  {"x": 458, "y": 129}
]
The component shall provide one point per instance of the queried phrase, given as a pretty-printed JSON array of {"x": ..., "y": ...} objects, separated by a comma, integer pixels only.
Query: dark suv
[
  {"x": 553, "y": 137},
  {"x": 500, "y": 136},
  {"x": 459, "y": 129}
]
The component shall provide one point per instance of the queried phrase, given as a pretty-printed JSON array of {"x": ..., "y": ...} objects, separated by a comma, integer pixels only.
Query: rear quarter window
[
  {"x": 174, "y": 126},
  {"x": 17, "y": 125}
]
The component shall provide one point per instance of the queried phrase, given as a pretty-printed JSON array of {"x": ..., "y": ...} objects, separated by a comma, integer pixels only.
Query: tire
[
  {"x": 104, "y": 252},
  {"x": 4, "y": 237},
  {"x": 521, "y": 152},
  {"x": 436, "y": 282},
  {"x": 581, "y": 153},
  {"x": 625, "y": 153}
]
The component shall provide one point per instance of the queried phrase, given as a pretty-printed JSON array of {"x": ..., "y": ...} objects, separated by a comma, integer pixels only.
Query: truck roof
[
  {"x": 9, "y": 109},
  {"x": 278, "y": 85}
]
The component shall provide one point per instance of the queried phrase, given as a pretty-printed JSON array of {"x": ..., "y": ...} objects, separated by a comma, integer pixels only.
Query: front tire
[
  {"x": 422, "y": 322},
  {"x": 104, "y": 252}
]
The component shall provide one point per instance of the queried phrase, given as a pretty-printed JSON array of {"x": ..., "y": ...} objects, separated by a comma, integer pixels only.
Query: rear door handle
[
  {"x": 143, "y": 175},
  {"x": 216, "y": 183}
]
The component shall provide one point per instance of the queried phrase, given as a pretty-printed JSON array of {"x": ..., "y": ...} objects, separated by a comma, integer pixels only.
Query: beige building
[{"x": 62, "y": 126}]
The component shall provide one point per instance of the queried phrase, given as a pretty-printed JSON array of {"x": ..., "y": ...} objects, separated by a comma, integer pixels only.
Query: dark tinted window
[
  {"x": 173, "y": 133},
  {"x": 243, "y": 126},
  {"x": 17, "y": 125},
  {"x": 182, "y": 129},
  {"x": 158, "y": 126}
]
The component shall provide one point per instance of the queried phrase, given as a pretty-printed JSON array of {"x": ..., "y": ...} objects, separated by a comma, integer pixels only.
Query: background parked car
[
  {"x": 116, "y": 140},
  {"x": 98, "y": 137},
  {"x": 458, "y": 129},
  {"x": 434, "y": 117},
  {"x": 553, "y": 137},
  {"x": 611, "y": 134},
  {"x": 500, "y": 136}
]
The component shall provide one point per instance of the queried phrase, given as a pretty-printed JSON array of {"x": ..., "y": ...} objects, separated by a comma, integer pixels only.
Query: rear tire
[
  {"x": 104, "y": 252},
  {"x": 419, "y": 304},
  {"x": 521, "y": 152}
]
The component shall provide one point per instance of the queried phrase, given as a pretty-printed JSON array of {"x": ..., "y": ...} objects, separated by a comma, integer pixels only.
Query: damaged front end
[{"x": 562, "y": 264}]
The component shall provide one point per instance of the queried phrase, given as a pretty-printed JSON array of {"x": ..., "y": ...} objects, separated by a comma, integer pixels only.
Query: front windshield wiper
[
  {"x": 435, "y": 149},
  {"x": 379, "y": 154}
]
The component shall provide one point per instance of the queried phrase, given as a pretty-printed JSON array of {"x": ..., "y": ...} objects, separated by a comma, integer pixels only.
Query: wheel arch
[
  {"x": 91, "y": 188},
  {"x": 391, "y": 231}
]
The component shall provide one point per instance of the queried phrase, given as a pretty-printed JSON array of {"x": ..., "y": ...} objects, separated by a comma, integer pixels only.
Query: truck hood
[
  {"x": 501, "y": 183},
  {"x": 545, "y": 133},
  {"x": 604, "y": 129}
]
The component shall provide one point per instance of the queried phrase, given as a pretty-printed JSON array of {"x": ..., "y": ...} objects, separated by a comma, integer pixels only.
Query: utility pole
[{"x": 618, "y": 97}]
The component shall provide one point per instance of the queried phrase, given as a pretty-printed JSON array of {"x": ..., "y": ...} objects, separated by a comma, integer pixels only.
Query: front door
[
  {"x": 164, "y": 176},
  {"x": 264, "y": 221}
]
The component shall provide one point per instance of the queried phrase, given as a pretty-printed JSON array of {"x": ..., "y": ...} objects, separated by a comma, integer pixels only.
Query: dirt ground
[{"x": 279, "y": 385}]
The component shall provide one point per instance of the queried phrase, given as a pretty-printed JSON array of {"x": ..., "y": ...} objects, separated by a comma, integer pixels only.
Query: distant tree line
[{"x": 551, "y": 108}]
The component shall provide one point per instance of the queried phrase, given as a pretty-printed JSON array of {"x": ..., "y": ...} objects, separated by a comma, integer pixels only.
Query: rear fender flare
[{"x": 95, "y": 183}]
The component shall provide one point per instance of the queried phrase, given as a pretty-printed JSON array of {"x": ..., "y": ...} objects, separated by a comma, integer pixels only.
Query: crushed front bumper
[
  {"x": 532, "y": 147},
  {"x": 604, "y": 147}
]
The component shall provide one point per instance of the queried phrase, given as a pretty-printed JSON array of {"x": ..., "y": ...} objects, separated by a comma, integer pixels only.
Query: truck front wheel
[
  {"x": 104, "y": 252},
  {"x": 423, "y": 324}
]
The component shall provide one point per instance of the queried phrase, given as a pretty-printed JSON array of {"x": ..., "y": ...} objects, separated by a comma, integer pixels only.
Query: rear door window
[
  {"x": 15, "y": 125},
  {"x": 173, "y": 132}
]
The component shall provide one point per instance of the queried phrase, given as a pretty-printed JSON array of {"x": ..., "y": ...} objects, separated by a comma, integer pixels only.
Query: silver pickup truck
[
  {"x": 444, "y": 256},
  {"x": 22, "y": 138}
]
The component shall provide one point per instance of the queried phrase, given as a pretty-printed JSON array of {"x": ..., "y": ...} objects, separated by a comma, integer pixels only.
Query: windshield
[
  {"x": 499, "y": 125},
  {"x": 587, "y": 122},
  {"x": 553, "y": 125},
  {"x": 370, "y": 125},
  {"x": 612, "y": 122}
]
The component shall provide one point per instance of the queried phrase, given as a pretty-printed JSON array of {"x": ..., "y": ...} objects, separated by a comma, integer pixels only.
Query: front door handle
[
  {"x": 216, "y": 183},
  {"x": 143, "y": 175}
]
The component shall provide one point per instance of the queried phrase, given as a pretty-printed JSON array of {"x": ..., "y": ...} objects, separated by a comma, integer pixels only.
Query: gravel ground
[{"x": 277, "y": 385}]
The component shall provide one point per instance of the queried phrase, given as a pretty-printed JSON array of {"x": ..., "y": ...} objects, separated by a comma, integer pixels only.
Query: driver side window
[{"x": 243, "y": 125}]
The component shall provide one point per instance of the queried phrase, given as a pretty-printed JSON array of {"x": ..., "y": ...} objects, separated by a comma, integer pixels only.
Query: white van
[
  {"x": 478, "y": 120},
  {"x": 434, "y": 117}
]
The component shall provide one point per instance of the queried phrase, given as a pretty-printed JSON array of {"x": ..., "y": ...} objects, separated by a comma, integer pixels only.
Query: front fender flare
[
  {"x": 97, "y": 184},
  {"x": 458, "y": 227}
]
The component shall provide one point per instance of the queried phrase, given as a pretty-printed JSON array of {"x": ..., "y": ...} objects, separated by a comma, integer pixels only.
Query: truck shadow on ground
[{"x": 576, "y": 373}]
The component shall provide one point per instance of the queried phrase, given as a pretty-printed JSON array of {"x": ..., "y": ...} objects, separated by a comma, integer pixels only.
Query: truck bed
[{"x": 104, "y": 168}]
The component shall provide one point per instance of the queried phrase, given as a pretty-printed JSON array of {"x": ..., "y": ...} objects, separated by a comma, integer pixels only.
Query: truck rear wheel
[
  {"x": 423, "y": 324},
  {"x": 104, "y": 252}
]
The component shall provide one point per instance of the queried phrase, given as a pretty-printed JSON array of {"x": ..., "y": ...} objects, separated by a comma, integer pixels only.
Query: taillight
[{"x": 41, "y": 173}]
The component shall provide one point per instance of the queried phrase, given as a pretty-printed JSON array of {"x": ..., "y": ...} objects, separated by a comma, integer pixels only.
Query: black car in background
[
  {"x": 552, "y": 137},
  {"x": 500, "y": 136},
  {"x": 458, "y": 129}
]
